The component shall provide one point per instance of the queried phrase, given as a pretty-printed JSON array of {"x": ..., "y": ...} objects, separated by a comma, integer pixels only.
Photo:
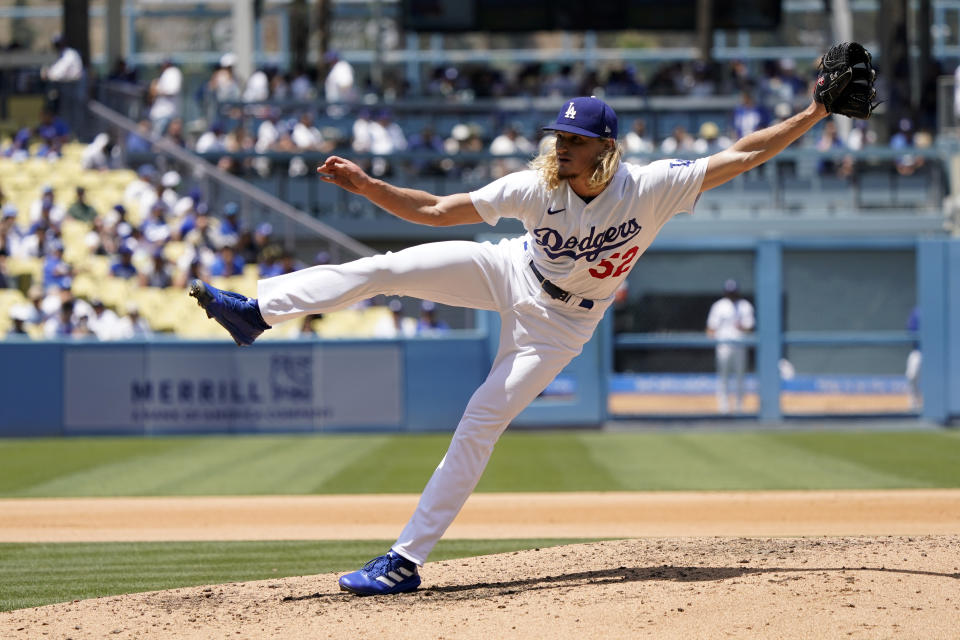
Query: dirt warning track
[{"x": 503, "y": 515}]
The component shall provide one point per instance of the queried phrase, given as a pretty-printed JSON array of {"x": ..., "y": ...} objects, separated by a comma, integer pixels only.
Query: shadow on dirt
[{"x": 619, "y": 575}]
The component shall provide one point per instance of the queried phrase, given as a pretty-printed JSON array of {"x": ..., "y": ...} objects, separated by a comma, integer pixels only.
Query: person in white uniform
[
  {"x": 730, "y": 319},
  {"x": 588, "y": 216}
]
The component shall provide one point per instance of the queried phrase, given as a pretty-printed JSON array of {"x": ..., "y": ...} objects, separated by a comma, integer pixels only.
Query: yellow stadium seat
[{"x": 32, "y": 267}]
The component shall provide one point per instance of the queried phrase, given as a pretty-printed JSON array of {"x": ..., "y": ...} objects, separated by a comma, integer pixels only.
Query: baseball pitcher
[{"x": 588, "y": 217}]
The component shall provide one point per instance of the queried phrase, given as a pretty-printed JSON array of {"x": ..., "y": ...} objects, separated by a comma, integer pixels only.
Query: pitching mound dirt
[{"x": 664, "y": 588}]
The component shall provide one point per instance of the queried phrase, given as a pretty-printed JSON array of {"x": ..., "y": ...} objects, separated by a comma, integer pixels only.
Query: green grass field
[
  {"x": 32, "y": 575},
  {"x": 35, "y": 574},
  {"x": 525, "y": 461}
]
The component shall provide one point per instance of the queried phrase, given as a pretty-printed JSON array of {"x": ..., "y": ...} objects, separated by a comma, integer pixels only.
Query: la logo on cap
[{"x": 571, "y": 112}]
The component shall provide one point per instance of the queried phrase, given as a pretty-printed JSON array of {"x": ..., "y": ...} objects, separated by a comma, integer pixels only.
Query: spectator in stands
[
  {"x": 170, "y": 182},
  {"x": 186, "y": 205},
  {"x": 145, "y": 180},
  {"x": 429, "y": 324},
  {"x": 123, "y": 266},
  {"x": 396, "y": 325},
  {"x": 227, "y": 263},
  {"x": 192, "y": 270},
  {"x": 150, "y": 198},
  {"x": 268, "y": 262},
  {"x": 624, "y": 82},
  {"x": 35, "y": 299},
  {"x": 212, "y": 141},
  {"x": 710, "y": 141},
  {"x": 204, "y": 238},
  {"x": 561, "y": 83},
  {"x": 279, "y": 85},
  {"x": 749, "y": 116},
  {"x": 288, "y": 263},
  {"x": 62, "y": 324},
  {"x": 56, "y": 271},
  {"x": 257, "y": 88},
  {"x": 268, "y": 133},
  {"x": 6, "y": 281},
  {"x": 914, "y": 362},
  {"x": 35, "y": 244},
  {"x": 189, "y": 220},
  {"x": 230, "y": 225},
  {"x": 155, "y": 230},
  {"x": 53, "y": 133},
  {"x": 10, "y": 234},
  {"x": 830, "y": 140},
  {"x": 99, "y": 154},
  {"x": 252, "y": 245},
  {"x": 680, "y": 141},
  {"x": 309, "y": 329},
  {"x": 509, "y": 142},
  {"x": 956, "y": 96},
  {"x": 117, "y": 221},
  {"x": 160, "y": 272},
  {"x": 18, "y": 319},
  {"x": 223, "y": 84},
  {"x": 81, "y": 209},
  {"x": 68, "y": 67},
  {"x": 100, "y": 240},
  {"x": 19, "y": 148},
  {"x": 81, "y": 329},
  {"x": 861, "y": 135},
  {"x": 139, "y": 141},
  {"x": 239, "y": 139},
  {"x": 122, "y": 72},
  {"x": 164, "y": 96},
  {"x": 56, "y": 298},
  {"x": 730, "y": 319},
  {"x": 175, "y": 133},
  {"x": 303, "y": 85},
  {"x": 46, "y": 210},
  {"x": 307, "y": 137},
  {"x": 904, "y": 140},
  {"x": 338, "y": 86},
  {"x": 104, "y": 322},
  {"x": 133, "y": 325},
  {"x": 386, "y": 136},
  {"x": 637, "y": 141}
]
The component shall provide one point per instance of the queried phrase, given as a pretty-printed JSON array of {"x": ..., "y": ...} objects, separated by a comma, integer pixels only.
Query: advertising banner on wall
[{"x": 221, "y": 389}]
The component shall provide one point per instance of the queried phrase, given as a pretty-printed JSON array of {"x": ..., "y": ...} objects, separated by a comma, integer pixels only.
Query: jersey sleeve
[
  {"x": 506, "y": 197},
  {"x": 713, "y": 318},
  {"x": 747, "y": 318},
  {"x": 675, "y": 186}
]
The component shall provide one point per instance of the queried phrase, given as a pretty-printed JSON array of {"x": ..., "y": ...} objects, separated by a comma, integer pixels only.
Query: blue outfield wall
[
  {"x": 421, "y": 384},
  {"x": 173, "y": 387},
  {"x": 168, "y": 387}
]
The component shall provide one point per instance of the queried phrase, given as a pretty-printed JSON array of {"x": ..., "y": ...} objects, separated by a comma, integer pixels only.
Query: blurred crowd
[{"x": 268, "y": 113}]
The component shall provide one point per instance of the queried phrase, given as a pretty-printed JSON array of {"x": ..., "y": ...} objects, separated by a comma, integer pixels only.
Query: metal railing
[{"x": 255, "y": 204}]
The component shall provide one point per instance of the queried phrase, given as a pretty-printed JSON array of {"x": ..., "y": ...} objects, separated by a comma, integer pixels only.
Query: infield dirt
[{"x": 676, "y": 584}]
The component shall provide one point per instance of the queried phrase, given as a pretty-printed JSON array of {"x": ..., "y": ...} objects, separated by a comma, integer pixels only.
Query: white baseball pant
[
  {"x": 731, "y": 362},
  {"x": 539, "y": 336}
]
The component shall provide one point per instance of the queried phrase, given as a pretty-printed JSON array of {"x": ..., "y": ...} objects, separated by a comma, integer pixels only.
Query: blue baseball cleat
[
  {"x": 390, "y": 573},
  {"x": 237, "y": 314}
]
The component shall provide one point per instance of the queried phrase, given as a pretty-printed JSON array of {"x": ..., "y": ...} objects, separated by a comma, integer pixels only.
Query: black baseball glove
[{"x": 845, "y": 82}]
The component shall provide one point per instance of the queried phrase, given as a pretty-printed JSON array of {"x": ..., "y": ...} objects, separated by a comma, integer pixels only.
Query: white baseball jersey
[
  {"x": 588, "y": 248},
  {"x": 730, "y": 320}
]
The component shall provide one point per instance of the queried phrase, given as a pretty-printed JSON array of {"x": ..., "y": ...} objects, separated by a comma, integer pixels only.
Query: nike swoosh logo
[{"x": 550, "y": 211}]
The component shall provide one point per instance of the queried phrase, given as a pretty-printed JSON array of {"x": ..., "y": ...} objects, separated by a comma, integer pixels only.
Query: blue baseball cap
[{"x": 586, "y": 116}]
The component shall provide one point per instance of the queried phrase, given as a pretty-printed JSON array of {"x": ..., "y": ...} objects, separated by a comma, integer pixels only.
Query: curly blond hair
[{"x": 546, "y": 164}]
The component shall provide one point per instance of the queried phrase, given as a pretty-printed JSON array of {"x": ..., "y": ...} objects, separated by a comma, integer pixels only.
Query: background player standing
[
  {"x": 588, "y": 217},
  {"x": 730, "y": 319}
]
